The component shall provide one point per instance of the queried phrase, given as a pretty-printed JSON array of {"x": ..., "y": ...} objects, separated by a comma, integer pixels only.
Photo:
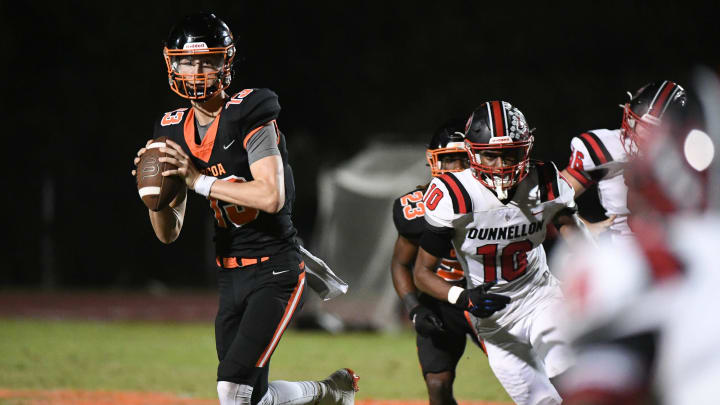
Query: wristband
[
  {"x": 454, "y": 293},
  {"x": 202, "y": 185}
]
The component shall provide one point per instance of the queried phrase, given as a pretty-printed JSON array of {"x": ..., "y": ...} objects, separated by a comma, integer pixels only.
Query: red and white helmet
[
  {"x": 645, "y": 110},
  {"x": 498, "y": 126},
  {"x": 672, "y": 172}
]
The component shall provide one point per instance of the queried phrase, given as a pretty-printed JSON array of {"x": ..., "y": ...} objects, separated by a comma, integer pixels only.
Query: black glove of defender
[
  {"x": 426, "y": 322},
  {"x": 479, "y": 302}
]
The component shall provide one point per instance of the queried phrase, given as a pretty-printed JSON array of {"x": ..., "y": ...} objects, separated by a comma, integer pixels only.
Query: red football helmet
[
  {"x": 643, "y": 113},
  {"x": 204, "y": 39},
  {"x": 497, "y": 129},
  {"x": 448, "y": 141}
]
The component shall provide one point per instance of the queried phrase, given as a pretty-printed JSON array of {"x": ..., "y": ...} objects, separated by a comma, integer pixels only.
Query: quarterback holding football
[{"x": 229, "y": 149}]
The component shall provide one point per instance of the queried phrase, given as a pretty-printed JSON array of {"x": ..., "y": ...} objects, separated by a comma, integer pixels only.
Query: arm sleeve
[
  {"x": 437, "y": 240},
  {"x": 263, "y": 143}
]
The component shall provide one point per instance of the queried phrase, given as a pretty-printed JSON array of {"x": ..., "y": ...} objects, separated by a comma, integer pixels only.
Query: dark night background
[{"x": 82, "y": 84}]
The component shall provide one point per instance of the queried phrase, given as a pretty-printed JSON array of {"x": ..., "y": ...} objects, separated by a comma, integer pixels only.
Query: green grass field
[{"x": 180, "y": 358}]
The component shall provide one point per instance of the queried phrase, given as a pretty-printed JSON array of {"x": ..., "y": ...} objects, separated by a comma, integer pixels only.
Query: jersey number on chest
[
  {"x": 512, "y": 260},
  {"x": 228, "y": 213}
]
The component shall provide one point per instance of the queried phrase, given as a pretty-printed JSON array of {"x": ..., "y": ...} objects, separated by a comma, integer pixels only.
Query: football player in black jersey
[
  {"x": 441, "y": 327},
  {"x": 229, "y": 150}
]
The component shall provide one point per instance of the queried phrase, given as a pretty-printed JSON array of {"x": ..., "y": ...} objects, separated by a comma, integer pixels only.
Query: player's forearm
[
  {"x": 404, "y": 254},
  {"x": 261, "y": 194},
  {"x": 266, "y": 192},
  {"x": 402, "y": 278},
  {"x": 404, "y": 285},
  {"x": 167, "y": 222},
  {"x": 425, "y": 278},
  {"x": 428, "y": 282},
  {"x": 577, "y": 187}
]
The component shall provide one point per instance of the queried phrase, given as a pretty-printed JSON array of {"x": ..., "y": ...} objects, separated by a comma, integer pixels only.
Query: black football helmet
[
  {"x": 643, "y": 113},
  {"x": 499, "y": 127},
  {"x": 202, "y": 38},
  {"x": 449, "y": 139}
]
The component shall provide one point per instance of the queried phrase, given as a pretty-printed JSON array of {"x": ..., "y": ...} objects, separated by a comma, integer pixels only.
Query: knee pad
[{"x": 230, "y": 393}]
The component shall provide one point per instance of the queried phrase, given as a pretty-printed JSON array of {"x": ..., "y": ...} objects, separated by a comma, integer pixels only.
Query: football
[{"x": 156, "y": 190}]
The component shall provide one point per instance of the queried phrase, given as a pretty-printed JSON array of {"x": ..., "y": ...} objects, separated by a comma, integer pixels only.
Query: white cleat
[{"x": 342, "y": 386}]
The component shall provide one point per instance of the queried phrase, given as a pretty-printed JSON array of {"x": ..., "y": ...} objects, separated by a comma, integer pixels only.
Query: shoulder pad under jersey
[
  {"x": 591, "y": 153},
  {"x": 252, "y": 108},
  {"x": 445, "y": 201}
]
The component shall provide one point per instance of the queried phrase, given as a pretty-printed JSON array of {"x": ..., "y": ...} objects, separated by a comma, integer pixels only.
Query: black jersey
[
  {"x": 239, "y": 231},
  {"x": 409, "y": 218}
]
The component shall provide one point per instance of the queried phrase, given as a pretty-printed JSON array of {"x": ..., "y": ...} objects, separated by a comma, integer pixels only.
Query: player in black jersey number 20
[
  {"x": 441, "y": 327},
  {"x": 229, "y": 149}
]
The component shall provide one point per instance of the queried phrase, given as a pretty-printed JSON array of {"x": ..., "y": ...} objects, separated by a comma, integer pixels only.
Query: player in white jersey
[
  {"x": 640, "y": 313},
  {"x": 599, "y": 156},
  {"x": 496, "y": 214}
]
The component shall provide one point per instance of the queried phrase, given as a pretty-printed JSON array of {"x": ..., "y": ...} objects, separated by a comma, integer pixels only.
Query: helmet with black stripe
[
  {"x": 498, "y": 141},
  {"x": 644, "y": 111},
  {"x": 199, "y": 53},
  {"x": 447, "y": 145}
]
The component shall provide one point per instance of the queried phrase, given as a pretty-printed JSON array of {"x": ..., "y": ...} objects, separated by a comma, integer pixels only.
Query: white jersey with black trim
[
  {"x": 598, "y": 156},
  {"x": 500, "y": 242}
]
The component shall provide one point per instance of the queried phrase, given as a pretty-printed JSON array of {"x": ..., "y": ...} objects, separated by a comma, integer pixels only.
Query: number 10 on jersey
[{"x": 512, "y": 260}]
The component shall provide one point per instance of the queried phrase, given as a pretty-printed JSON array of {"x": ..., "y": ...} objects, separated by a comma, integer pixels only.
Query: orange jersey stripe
[{"x": 277, "y": 131}]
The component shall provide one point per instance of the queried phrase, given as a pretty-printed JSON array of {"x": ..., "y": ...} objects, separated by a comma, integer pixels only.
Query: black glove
[
  {"x": 479, "y": 302},
  {"x": 426, "y": 322}
]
